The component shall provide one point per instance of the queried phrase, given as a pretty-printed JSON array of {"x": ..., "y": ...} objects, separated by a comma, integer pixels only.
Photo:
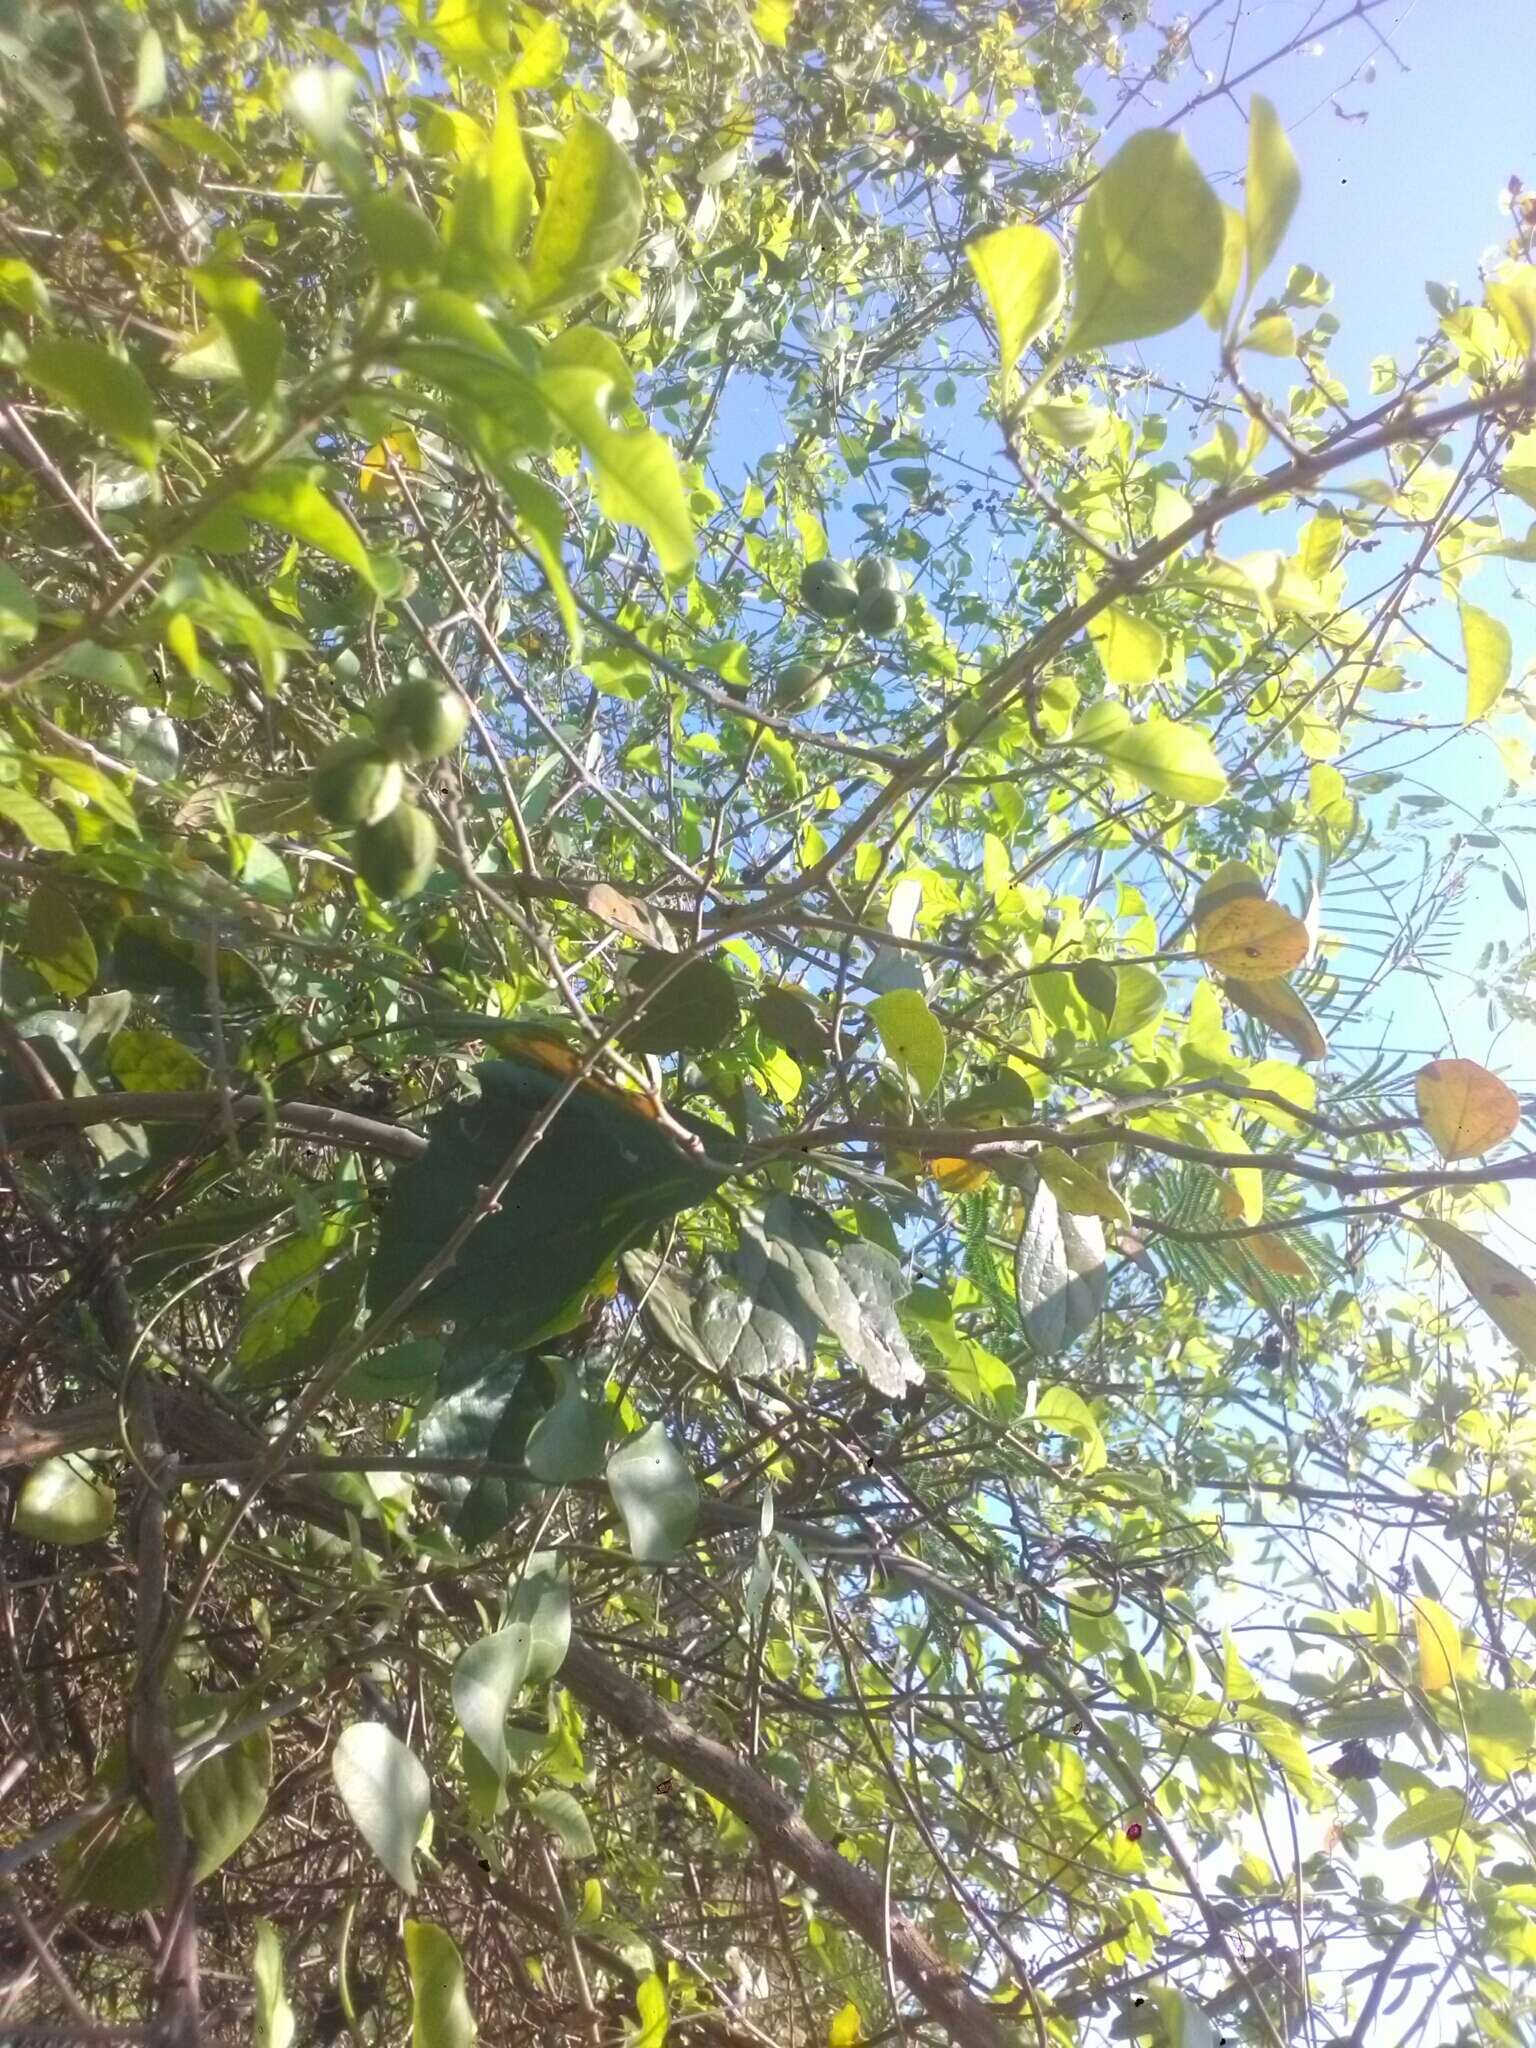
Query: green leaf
[
  {"x": 654, "y": 1489},
  {"x": 18, "y": 610},
  {"x": 590, "y": 219},
  {"x": 541, "y": 517},
  {"x": 273, "y": 2024},
  {"x": 236, "y": 303},
  {"x": 571, "y": 1440},
  {"x": 1500, "y": 1727},
  {"x": 58, "y": 943},
  {"x": 1019, "y": 270},
  {"x": 542, "y": 60},
  {"x": 224, "y": 1799},
  {"x": 1274, "y": 335},
  {"x": 1489, "y": 654},
  {"x": 1149, "y": 244},
  {"x": 386, "y": 1792},
  {"x": 1174, "y": 760},
  {"x": 562, "y": 1815},
  {"x": 155, "y": 1062},
  {"x": 1131, "y": 648},
  {"x": 492, "y": 201},
  {"x": 634, "y": 469},
  {"x": 487, "y": 1678},
  {"x": 107, "y": 391},
  {"x": 911, "y": 1035},
  {"x": 652, "y": 2012},
  {"x": 406, "y": 1372},
  {"x": 1441, "y": 1812},
  {"x": 402, "y": 242},
  {"x": 796, "y": 1274},
  {"x": 1503, "y": 1293},
  {"x": 288, "y": 497},
  {"x": 1234, "y": 251},
  {"x": 1271, "y": 190},
  {"x": 149, "y": 74},
  {"x": 63, "y": 1501},
  {"x": 440, "y": 2014},
  {"x": 1140, "y": 1000},
  {"x": 1060, "y": 1275},
  {"x": 43, "y": 827},
  {"x": 1062, "y": 1409},
  {"x": 695, "y": 1011},
  {"x": 541, "y": 1605}
]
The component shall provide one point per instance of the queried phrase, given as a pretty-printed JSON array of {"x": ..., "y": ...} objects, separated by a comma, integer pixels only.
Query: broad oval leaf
[
  {"x": 64, "y": 1501},
  {"x": 1489, "y": 655},
  {"x": 440, "y": 2012},
  {"x": 386, "y": 1791},
  {"x": 562, "y": 1813},
  {"x": 1174, "y": 760},
  {"x": 1503, "y": 1293},
  {"x": 487, "y": 1678},
  {"x": 1149, "y": 244},
  {"x": 108, "y": 392},
  {"x": 1465, "y": 1109},
  {"x": 694, "y": 1011},
  {"x": 1440, "y": 1812},
  {"x": 589, "y": 222},
  {"x": 570, "y": 1441},
  {"x": 1019, "y": 270},
  {"x": 225, "y": 1798},
  {"x": 59, "y": 945},
  {"x": 1252, "y": 938},
  {"x": 654, "y": 1489},
  {"x": 912, "y": 1035},
  {"x": 1132, "y": 648},
  {"x": 1063, "y": 1409}
]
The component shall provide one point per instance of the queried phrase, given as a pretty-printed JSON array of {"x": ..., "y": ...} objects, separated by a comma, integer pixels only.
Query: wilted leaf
[
  {"x": 1277, "y": 1006},
  {"x": 1252, "y": 938},
  {"x": 1503, "y": 1293},
  {"x": 1466, "y": 1110}
]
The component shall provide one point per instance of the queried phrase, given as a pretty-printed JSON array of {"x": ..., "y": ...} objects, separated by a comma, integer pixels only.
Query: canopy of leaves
[{"x": 800, "y": 1355}]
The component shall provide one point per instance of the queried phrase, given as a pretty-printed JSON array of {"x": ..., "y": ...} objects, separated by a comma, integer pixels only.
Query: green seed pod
[
  {"x": 396, "y": 857},
  {"x": 878, "y": 572},
  {"x": 418, "y": 721},
  {"x": 882, "y": 612},
  {"x": 355, "y": 783},
  {"x": 800, "y": 686},
  {"x": 829, "y": 590}
]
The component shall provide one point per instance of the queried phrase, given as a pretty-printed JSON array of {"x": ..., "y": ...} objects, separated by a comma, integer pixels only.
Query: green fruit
[
  {"x": 355, "y": 783},
  {"x": 418, "y": 721},
  {"x": 396, "y": 857},
  {"x": 829, "y": 590},
  {"x": 882, "y": 612},
  {"x": 800, "y": 686},
  {"x": 878, "y": 572}
]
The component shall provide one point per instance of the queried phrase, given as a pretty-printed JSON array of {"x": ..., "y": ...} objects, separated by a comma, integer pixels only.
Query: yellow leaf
[
  {"x": 771, "y": 19},
  {"x": 1465, "y": 1109},
  {"x": 846, "y": 2030},
  {"x": 1280, "y": 1010},
  {"x": 1503, "y": 1293},
  {"x": 1251, "y": 937},
  {"x": 959, "y": 1176},
  {"x": 1442, "y": 1657},
  {"x": 1280, "y": 1257},
  {"x": 1078, "y": 1190},
  {"x": 373, "y": 478},
  {"x": 1489, "y": 653}
]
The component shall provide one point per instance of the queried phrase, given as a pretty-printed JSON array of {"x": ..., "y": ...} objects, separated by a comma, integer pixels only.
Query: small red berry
[{"x": 1133, "y": 1832}]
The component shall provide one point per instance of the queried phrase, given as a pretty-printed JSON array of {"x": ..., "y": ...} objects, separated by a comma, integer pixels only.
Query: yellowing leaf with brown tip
[
  {"x": 1279, "y": 1009},
  {"x": 1251, "y": 937},
  {"x": 1503, "y": 1293},
  {"x": 1465, "y": 1109}
]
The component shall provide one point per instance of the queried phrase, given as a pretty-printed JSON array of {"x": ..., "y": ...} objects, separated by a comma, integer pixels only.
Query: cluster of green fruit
[
  {"x": 872, "y": 598},
  {"x": 360, "y": 784}
]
